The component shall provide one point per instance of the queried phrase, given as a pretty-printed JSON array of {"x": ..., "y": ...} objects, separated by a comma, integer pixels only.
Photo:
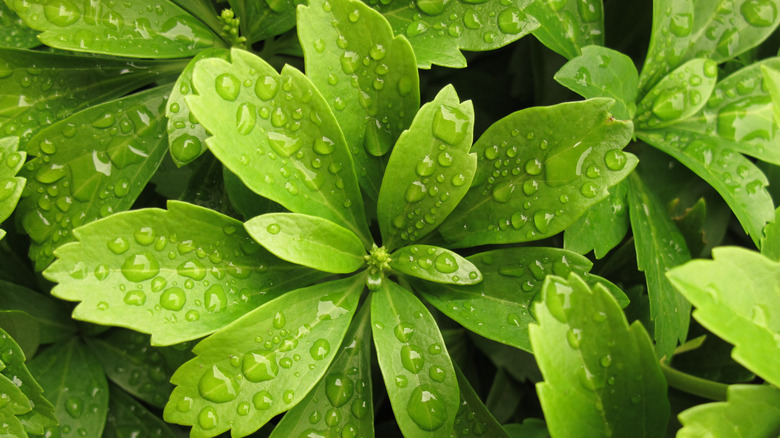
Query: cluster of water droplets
[
  {"x": 467, "y": 422},
  {"x": 15, "y": 32},
  {"x": 678, "y": 94},
  {"x": 184, "y": 131},
  {"x": 10, "y": 162},
  {"x": 80, "y": 402},
  {"x": 431, "y": 262}
]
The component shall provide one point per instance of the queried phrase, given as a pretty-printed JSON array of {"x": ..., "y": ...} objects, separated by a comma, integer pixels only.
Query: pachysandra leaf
[
  {"x": 602, "y": 227},
  {"x": 429, "y": 171},
  {"x": 735, "y": 296},
  {"x": 309, "y": 241},
  {"x": 602, "y": 72},
  {"x": 11, "y": 186},
  {"x": 126, "y": 417},
  {"x": 178, "y": 274},
  {"x": 262, "y": 20},
  {"x": 473, "y": 418},
  {"x": 415, "y": 364},
  {"x": 770, "y": 243},
  {"x": 277, "y": 133},
  {"x": 265, "y": 362},
  {"x": 539, "y": 170},
  {"x": 601, "y": 377},
  {"x": 13, "y": 32},
  {"x": 131, "y": 28},
  {"x": 246, "y": 202},
  {"x": 50, "y": 314},
  {"x": 438, "y": 38},
  {"x": 659, "y": 247},
  {"x": 23, "y": 328},
  {"x": 566, "y": 26},
  {"x": 186, "y": 136},
  {"x": 434, "y": 264},
  {"x": 90, "y": 165},
  {"x": 751, "y": 412},
  {"x": 342, "y": 400},
  {"x": 15, "y": 403}
]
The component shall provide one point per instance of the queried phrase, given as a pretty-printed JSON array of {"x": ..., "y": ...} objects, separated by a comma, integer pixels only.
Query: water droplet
[
  {"x": 590, "y": 10},
  {"x": 288, "y": 396},
  {"x": 214, "y": 299},
  {"x": 728, "y": 42},
  {"x": 192, "y": 269},
  {"x": 403, "y": 332},
  {"x": 104, "y": 121},
  {"x": 450, "y": 125},
  {"x": 589, "y": 190},
  {"x": 279, "y": 320},
  {"x": 184, "y": 405},
  {"x": 259, "y": 366},
  {"x": 434, "y": 349},
  {"x": 207, "y": 418},
  {"x": 145, "y": 236},
  {"x": 446, "y": 263},
  {"x": 615, "y": 159},
  {"x": 606, "y": 361},
  {"x": 246, "y": 117},
  {"x": 511, "y": 21},
  {"x": 118, "y": 246},
  {"x": 228, "y": 86},
  {"x": 359, "y": 408},
  {"x": 412, "y": 358},
  {"x": 425, "y": 408},
  {"x": 502, "y": 192},
  {"x": 273, "y": 229},
  {"x": 324, "y": 146},
  {"x": 61, "y": 12},
  {"x": 681, "y": 24},
  {"x": 436, "y": 373},
  {"x": 215, "y": 386},
  {"x": 339, "y": 389},
  {"x": 262, "y": 400},
  {"x": 426, "y": 166},
  {"x": 186, "y": 148},
  {"x": 445, "y": 159},
  {"x": 140, "y": 267},
  {"x": 574, "y": 338},
  {"x": 173, "y": 299},
  {"x": 415, "y": 192},
  {"x": 353, "y": 16},
  {"x": 401, "y": 381},
  {"x": 759, "y": 13},
  {"x": 320, "y": 349},
  {"x": 74, "y": 407}
]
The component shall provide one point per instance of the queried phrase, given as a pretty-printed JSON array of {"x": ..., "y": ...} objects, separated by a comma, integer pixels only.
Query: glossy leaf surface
[
  {"x": 539, "y": 170},
  {"x": 367, "y": 75},
  {"x": 90, "y": 165},
  {"x": 735, "y": 298},
  {"x": 265, "y": 362},
  {"x": 342, "y": 400},
  {"x": 309, "y": 241},
  {"x": 263, "y": 19},
  {"x": 50, "y": 315},
  {"x": 11, "y": 186},
  {"x": 162, "y": 272},
  {"x": 416, "y": 367},
  {"x": 473, "y": 418},
  {"x": 566, "y": 26},
  {"x": 278, "y": 134},
  {"x": 127, "y": 418},
  {"x": 13, "y": 32},
  {"x": 602, "y": 227},
  {"x": 601, "y": 377},
  {"x": 23, "y": 328},
  {"x": 770, "y": 244},
  {"x": 429, "y": 171},
  {"x": 751, "y": 412},
  {"x": 434, "y": 264},
  {"x": 131, "y": 28},
  {"x": 15, "y": 403}
]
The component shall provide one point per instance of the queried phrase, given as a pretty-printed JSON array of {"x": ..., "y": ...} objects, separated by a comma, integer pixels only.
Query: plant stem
[{"x": 694, "y": 385}]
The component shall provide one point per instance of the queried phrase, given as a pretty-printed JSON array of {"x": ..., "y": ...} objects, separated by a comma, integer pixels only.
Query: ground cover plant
[{"x": 338, "y": 218}]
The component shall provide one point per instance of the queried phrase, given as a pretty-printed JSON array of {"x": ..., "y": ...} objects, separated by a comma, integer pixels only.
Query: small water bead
[
  {"x": 320, "y": 349},
  {"x": 503, "y": 191},
  {"x": 74, "y": 407},
  {"x": 266, "y": 87},
  {"x": 273, "y": 229},
  {"x": 214, "y": 298},
  {"x": 217, "y": 387},
  {"x": 415, "y": 192},
  {"x": 446, "y": 263},
  {"x": 262, "y": 400},
  {"x": 118, "y": 246},
  {"x": 339, "y": 389},
  {"x": 425, "y": 408},
  {"x": 403, "y": 332},
  {"x": 412, "y": 358},
  {"x": 246, "y": 118},
  {"x": 511, "y": 21},
  {"x": 759, "y": 13},
  {"x": 589, "y": 190},
  {"x": 228, "y": 86},
  {"x": 615, "y": 159},
  {"x": 140, "y": 267},
  {"x": 450, "y": 124},
  {"x": 208, "y": 418},
  {"x": 445, "y": 159},
  {"x": 192, "y": 269},
  {"x": 61, "y": 13},
  {"x": 288, "y": 396},
  {"x": 359, "y": 408},
  {"x": 353, "y": 16},
  {"x": 401, "y": 381},
  {"x": 173, "y": 298},
  {"x": 259, "y": 366},
  {"x": 437, "y": 373}
]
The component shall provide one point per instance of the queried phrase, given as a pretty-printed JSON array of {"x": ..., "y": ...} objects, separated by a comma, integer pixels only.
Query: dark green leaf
[
  {"x": 602, "y": 72},
  {"x": 735, "y": 298},
  {"x": 429, "y": 171},
  {"x": 11, "y": 186},
  {"x": 23, "y": 328},
  {"x": 309, "y": 241},
  {"x": 434, "y": 264},
  {"x": 416, "y": 367},
  {"x": 601, "y": 376},
  {"x": 531, "y": 428},
  {"x": 504, "y": 397},
  {"x": 129, "y": 419},
  {"x": 752, "y": 411},
  {"x": 130, "y": 28},
  {"x": 51, "y": 315},
  {"x": 602, "y": 227},
  {"x": 13, "y": 32},
  {"x": 659, "y": 247},
  {"x": 248, "y": 203},
  {"x": 74, "y": 381},
  {"x": 342, "y": 400},
  {"x": 473, "y": 417},
  {"x": 261, "y": 20},
  {"x": 566, "y": 26},
  {"x": 178, "y": 274},
  {"x": 520, "y": 364},
  {"x": 293, "y": 152},
  {"x": 265, "y": 362},
  {"x": 539, "y": 170},
  {"x": 90, "y": 165}
]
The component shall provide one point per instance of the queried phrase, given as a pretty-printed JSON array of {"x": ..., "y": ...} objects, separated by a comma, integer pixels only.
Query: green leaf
[
  {"x": 771, "y": 77},
  {"x": 129, "y": 419},
  {"x": 293, "y": 153},
  {"x": 434, "y": 264},
  {"x": 539, "y": 170},
  {"x": 130, "y": 362},
  {"x": 688, "y": 29},
  {"x": 770, "y": 243},
  {"x": 342, "y": 400},
  {"x": 23, "y": 328},
  {"x": 531, "y": 428},
  {"x": 601, "y": 377},
  {"x": 90, "y": 165},
  {"x": 602, "y": 227},
  {"x": 51, "y": 315},
  {"x": 132, "y": 28},
  {"x": 735, "y": 298},
  {"x": 246, "y": 202},
  {"x": 566, "y": 26},
  {"x": 15, "y": 403},
  {"x": 261, "y": 20},
  {"x": 178, "y": 274},
  {"x": 74, "y": 381},
  {"x": 473, "y": 418},
  {"x": 499, "y": 308},
  {"x": 185, "y": 135},
  {"x": 438, "y": 39},
  {"x": 11, "y": 186},
  {"x": 265, "y": 362},
  {"x": 371, "y": 84},
  {"x": 13, "y": 32},
  {"x": 309, "y": 241},
  {"x": 416, "y": 367},
  {"x": 752, "y": 411},
  {"x": 429, "y": 171},
  {"x": 659, "y": 247},
  {"x": 602, "y": 72}
]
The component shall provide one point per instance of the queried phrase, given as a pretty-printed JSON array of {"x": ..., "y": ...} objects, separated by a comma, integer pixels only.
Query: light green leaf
[
  {"x": 185, "y": 135},
  {"x": 429, "y": 171},
  {"x": 539, "y": 170},
  {"x": 688, "y": 29},
  {"x": 203, "y": 10},
  {"x": 342, "y": 400},
  {"x": 90, "y": 165},
  {"x": 242, "y": 377},
  {"x": 500, "y": 308},
  {"x": 771, "y": 77},
  {"x": 566, "y": 26},
  {"x": 473, "y": 417},
  {"x": 127, "y": 418},
  {"x": 602, "y": 72},
  {"x": 434, "y": 264},
  {"x": 309, "y": 241},
  {"x": 178, "y": 274},
  {"x": 601, "y": 377},
  {"x": 659, "y": 247},
  {"x": 371, "y": 84},
  {"x": 23, "y": 328},
  {"x": 293, "y": 153},
  {"x": 51, "y": 315},
  {"x": 261, "y": 20},
  {"x": 131, "y": 28},
  {"x": 74, "y": 381},
  {"x": 15, "y": 403},
  {"x": 770, "y": 243},
  {"x": 752, "y": 411},
  {"x": 602, "y": 227},
  {"x": 11, "y": 186},
  {"x": 735, "y": 296},
  {"x": 416, "y": 367},
  {"x": 13, "y": 32}
]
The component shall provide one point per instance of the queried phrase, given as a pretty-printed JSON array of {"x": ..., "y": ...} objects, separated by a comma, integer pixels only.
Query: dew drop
[
  {"x": 186, "y": 148},
  {"x": 320, "y": 349},
  {"x": 246, "y": 118},
  {"x": 74, "y": 407},
  {"x": 436, "y": 373},
  {"x": 61, "y": 13},
  {"x": 266, "y": 88},
  {"x": 259, "y": 366},
  {"x": 207, "y": 418},
  {"x": 214, "y": 298},
  {"x": 215, "y": 386},
  {"x": 450, "y": 124},
  {"x": 140, "y": 267},
  {"x": 446, "y": 263},
  {"x": 273, "y": 229},
  {"x": 262, "y": 400},
  {"x": 118, "y": 246},
  {"x": 228, "y": 86},
  {"x": 425, "y": 408},
  {"x": 615, "y": 159},
  {"x": 339, "y": 389},
  {"x": 412, "y": 358},
  {"x": 759, "y": 13},
  {"x": 173, "y": 299},
  {"x": 511, "y": 21},
  {"x": 403, "y": 332}
]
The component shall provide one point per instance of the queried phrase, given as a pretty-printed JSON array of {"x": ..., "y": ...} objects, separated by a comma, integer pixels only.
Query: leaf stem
[{"x": 694, "y": 385}]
